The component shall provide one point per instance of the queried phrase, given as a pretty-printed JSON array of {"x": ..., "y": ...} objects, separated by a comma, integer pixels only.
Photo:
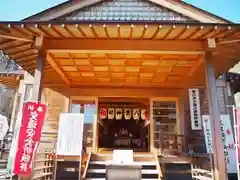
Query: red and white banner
[
  {"x": 238, "y": 130},
  {"x": 29, "y": 137}
]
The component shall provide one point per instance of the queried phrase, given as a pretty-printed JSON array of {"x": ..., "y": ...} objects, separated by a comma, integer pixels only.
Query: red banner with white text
[
  {"x": 238, "y": 130},
  {"x": 29, "y": 137}
]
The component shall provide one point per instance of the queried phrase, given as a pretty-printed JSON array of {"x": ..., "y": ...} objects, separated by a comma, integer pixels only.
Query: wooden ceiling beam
[
  {"x": 119, "y": 92},
  {"x": 193, "y": 70},
  {"x": 195, "y": 67},
  {"x": 57, "y": 69},
  {"x": 125, "y": 45}
]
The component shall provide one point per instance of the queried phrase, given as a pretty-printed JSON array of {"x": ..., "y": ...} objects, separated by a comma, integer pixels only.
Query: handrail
[
  {"x": 202, "y": 169},
  {"x": 160, "y": 172},
  {"x": 87, "y": 164}
]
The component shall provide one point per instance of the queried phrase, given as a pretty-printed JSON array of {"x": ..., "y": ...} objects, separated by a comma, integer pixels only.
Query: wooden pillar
[
  {"x": 220, "y": 172},
  {"x": 15, "y": 109},
  {"x": 182, "y": 123},
  {"x": 38, "y": 78}
]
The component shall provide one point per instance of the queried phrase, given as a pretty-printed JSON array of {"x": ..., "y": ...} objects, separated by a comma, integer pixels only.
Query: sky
[{"x": 15, "y": 10}]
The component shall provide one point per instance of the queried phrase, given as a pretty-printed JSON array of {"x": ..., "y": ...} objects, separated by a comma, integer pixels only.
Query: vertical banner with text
[
  {"x": 207, "y": 133},
  {"x": 194, "y": 101},
  {"x": 227, "y": 138},
  {"x": 228, "y": 143},
  {"x": 238, "y": 130},
  {"x": 29, "y": 137}
]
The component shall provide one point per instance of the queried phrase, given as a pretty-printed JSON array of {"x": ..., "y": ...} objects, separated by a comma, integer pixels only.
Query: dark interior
[{"x": 124, "y": 134}]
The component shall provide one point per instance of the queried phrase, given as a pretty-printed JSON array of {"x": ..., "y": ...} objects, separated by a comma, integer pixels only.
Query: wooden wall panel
[
  {"x": 222, "y": 102},
  {"x": 57, "y": 103}
]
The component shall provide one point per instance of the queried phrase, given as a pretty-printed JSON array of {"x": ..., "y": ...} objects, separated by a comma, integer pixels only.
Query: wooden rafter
[
  {"x": 229, "y": 41},
  {"x": 57, "y": 69},
  {"x": 93, "y": 31},
  {"x": 6, "y": 35},
  {"x": 195, "y": 67}
]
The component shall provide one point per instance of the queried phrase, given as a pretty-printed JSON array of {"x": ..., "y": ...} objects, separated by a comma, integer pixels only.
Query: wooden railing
[
  {"x": 86, "y": 166},
  {"x": 44, "y": 160},
  {"x": 196, "y": 144},
  {"x": 44, "y": 165},
  {"x": 160, "y": 168},
  {"x": 172, "y": 143},
  {"x": 202, "y": 167}
]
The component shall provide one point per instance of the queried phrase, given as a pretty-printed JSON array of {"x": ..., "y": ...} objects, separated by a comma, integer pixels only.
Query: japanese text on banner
[{"x": 29, "y": 137}]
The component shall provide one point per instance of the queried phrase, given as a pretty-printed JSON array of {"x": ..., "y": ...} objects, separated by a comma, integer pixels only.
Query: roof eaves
[{"x": 118, "y": 22}]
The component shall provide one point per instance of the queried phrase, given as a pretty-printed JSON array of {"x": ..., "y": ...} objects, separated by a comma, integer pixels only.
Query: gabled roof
[
  {"x": 174, "y": 6},
  {"x": 125, "y": 10}
]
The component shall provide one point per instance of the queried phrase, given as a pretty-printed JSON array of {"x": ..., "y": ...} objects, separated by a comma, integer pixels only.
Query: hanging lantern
[
  {"x": 110, "y": 113},
  {"x": 127, "y": 114},
  {"x": 144, "y": 114},
  {"x": 103, "y": 113},
  {"x": 118, "y": 114},
  {"x": 136, "y": 114}
]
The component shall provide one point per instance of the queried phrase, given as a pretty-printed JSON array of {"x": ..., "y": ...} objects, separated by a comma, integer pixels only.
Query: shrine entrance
[{"x": 123, "y": 124}]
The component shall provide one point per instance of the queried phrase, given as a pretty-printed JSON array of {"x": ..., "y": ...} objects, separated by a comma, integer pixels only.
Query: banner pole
[{"x": 236, "y": 134}]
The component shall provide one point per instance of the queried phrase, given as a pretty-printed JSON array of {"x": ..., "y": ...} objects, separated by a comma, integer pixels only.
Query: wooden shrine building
[{"x": 127, "y": 54}]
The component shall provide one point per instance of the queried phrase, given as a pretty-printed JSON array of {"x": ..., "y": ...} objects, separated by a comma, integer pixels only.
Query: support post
[
  {"x": 220, "y": 172},
  {"x": 182, "y": 123},
  {"x": 15, "y": 109},
  {"x": 38, "y": 78}
]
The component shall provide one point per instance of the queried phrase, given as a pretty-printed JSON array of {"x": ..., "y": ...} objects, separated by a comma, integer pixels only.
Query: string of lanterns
[{"x": 127, "y": 114}]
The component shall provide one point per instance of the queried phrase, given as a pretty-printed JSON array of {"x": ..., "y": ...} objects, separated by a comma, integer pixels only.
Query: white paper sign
[
  {"x": 70, "y": 134},
  {"x": 207, "y": 133},
  {"x": 123, "y": 156},
  {"x": 194, "y": 102}
]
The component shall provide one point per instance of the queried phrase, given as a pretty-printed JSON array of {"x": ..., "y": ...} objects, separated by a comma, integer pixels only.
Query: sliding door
[{"x": 88, "y": 107}]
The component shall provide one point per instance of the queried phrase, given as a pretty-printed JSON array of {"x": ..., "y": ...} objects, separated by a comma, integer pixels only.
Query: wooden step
[
  {"x": 175, "y": 159},
  {"x": 41, "y": 175},
  {"x": 102, "y": 171},
  {"x": 146, "y": 163},
  {"x": 105, "y": 179}
]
